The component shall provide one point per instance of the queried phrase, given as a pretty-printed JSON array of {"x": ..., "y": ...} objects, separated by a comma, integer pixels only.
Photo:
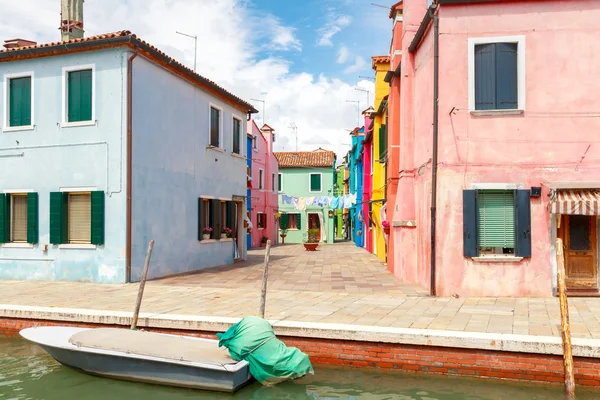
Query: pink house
[
  {"x": 367, "y": 178},
  {"x": 265, "y": 177},
  {"x": 505, "y": 161}
]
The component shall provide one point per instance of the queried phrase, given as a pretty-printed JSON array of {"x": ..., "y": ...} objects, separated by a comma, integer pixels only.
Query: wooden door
[{"x": 581, "y": 262}]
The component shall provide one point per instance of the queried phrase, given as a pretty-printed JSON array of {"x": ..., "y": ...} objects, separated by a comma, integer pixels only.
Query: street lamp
[{"x": 195, "y": 45}]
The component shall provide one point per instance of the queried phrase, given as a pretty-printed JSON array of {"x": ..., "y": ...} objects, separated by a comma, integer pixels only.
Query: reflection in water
[{"x": 28, "y": 373}]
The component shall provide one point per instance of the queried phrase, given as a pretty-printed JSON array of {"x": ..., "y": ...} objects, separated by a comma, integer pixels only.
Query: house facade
[
  {"x": 367, "y": 196},
  {"x": 248, "y": 219},
  {"x": 502, "y": 161},
  {"x": 306, "y": 193},
  {"x": 95, "y": 176},
  {"x": 264, "y": 192},
  {"x": 339, "y": 191},
  {"x": 356, "y": 187}
]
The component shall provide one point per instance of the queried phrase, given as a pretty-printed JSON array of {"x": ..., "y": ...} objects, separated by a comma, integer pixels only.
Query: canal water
[{"x": 27, "y": 372}]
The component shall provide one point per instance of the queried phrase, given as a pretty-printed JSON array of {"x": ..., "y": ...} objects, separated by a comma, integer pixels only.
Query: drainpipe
[
  {"x": 436, "y": 54},
  {"x": 129, "y": 163}
]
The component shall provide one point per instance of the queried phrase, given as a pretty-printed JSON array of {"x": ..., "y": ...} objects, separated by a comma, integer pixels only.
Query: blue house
[
  {"x": 356, "y": 186},
  {"x": 108, "y": 143}
]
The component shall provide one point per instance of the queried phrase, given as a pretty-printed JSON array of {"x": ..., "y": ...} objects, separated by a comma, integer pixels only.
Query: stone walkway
[{"x": 338, "y": 284}]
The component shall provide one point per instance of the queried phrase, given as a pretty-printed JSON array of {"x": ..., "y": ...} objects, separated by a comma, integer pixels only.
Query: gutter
[
  {"x": 423, "y": 28},
  {"x": 129, "y": 162},
  {"x": 436, "y": 76}
]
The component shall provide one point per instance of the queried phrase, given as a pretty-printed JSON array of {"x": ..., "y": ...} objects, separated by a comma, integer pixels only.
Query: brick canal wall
[{"x": 389, "y": 356}]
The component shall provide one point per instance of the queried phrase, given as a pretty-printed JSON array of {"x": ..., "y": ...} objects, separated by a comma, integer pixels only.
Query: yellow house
[{"x": 381, "y": 65}]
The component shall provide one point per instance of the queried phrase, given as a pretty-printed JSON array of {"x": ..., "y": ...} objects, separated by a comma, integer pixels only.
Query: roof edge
[{"x": 423, "y": 28}]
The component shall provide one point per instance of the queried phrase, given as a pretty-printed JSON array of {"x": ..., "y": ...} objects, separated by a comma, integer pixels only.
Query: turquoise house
[
  {"x": 107, "y": 143},
  {"x": 306, "y": 184}
]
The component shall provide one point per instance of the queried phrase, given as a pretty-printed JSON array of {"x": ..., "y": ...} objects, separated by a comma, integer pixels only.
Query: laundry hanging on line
[{"x": 335, "y": 202}]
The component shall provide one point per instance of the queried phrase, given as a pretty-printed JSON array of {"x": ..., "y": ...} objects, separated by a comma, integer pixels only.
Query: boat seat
[{"x": 153, "y": 344}]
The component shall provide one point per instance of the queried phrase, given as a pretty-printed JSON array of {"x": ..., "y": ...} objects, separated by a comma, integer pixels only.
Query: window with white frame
[
  {"x": 77, "y": 217},
  {"x": 279, "y": 183},
  {"x": 237, "y": 135},
  {"x": 18, "y": 101},
  {"x": 261, "y": 220},
  {"x": 255, "y": 143},
  {"x": 79, "y": 95},
  {"x": 261, "y": 179},
  {"x": 497, "y": 73},
  {"x": 315, "y": 184},
  {"x": 273, "y": 183},
  {"x": 215, "y": 127}
]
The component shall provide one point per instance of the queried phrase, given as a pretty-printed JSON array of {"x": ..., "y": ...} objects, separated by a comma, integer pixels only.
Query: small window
[
  {"x": 273, "y": 183},
  {"x": 79, "y": 95},
  {"x": 79, "y": 218},
  {"x": 20, "y": 106},
  {"x": 279, "y": 183},
  {"x": 215, "y": 127},
  {"x": 294, "y": 221},
  {"x": 237, "y": 129},
  {"x": 261, "y": 220},
  {"x": 261, "y": 179},
  {"x": 254, "y": 143},
  {"x": 18, "y": 218},
  {"x": 315, "y": 182}
]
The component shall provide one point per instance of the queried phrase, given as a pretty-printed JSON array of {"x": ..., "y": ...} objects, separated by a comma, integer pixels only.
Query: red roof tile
[
  {"x": 101, "y": 40},
  {"x": 316, "y": 158},
  {"x": 380, "y": 60},
  {"x": 394, "y": 7},
  {"x": 266, "y": 127}
]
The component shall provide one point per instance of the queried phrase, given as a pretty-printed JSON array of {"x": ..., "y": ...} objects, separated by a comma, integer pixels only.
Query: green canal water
[{"x": 27, "y": 372}]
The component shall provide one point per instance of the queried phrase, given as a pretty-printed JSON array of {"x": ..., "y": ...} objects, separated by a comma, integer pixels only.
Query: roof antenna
[{"x": 295, "y": 129}]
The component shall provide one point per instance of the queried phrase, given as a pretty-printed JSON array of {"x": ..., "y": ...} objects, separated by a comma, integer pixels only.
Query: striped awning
[{"x": 576, "y": 202}]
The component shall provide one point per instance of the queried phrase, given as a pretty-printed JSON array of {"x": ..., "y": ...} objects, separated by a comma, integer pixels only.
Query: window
[
  {"x": 496, "y": 222},
  {"x": 273, "y": 183},
  {"x": 279, "y": 183},
  {"x": 215, "y": 127},
  {"x": 79, "y": 92},
  {"x": 77, "y": 217},
  {"x": 315, "y": 182},
  {"x": 216, "y": 215},
  {"x": 290, "y": 221},
  {"x": 261, "y": 179},
  {"x": 237, "y": 129},
  {"x": 254, "y": 143},
  {"x": 497, "y": 73},
  {"x": 19, "y": 218},
  {"x": 261, "y": 220},
  {"x": 18, "y": 109}
]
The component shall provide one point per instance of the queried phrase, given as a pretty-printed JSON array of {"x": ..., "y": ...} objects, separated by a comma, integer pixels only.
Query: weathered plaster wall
[
  {"x": 173, "y": 167},
  {"x": 55, "y": 157}
]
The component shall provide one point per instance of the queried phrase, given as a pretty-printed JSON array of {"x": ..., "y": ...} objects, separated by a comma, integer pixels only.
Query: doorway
[
  {"x": 578, "y": 233},
  {"x": 315, "y": 223}
]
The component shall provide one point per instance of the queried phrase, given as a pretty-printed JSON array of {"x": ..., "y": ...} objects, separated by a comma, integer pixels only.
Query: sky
[{"x": 303, "y": 58}]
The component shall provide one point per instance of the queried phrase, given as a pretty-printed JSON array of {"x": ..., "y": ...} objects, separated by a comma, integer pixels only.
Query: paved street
[{"x": 338, "y": 284}]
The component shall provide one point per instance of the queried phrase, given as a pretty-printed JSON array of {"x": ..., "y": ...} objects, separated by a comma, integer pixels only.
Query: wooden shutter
[
  {"x": 298, "y": 221},
  {"x": 216, "y": 218},
  {"x": 32, "y": 218},
  {"x": 58, "y": 218},
  {"x": 80, "y": 218},
  {"x": 79, "y": 96},
  {"x": 236, "y": 135},
  {"x": 315, "y": 182},
  {"x": 470, "y": 246},
  {"x": 19, "y": 101},
  {"x": 523, "y": 223},
  {"x": 496, "y": 218},
  {"x": 506, "y": 76},
  {"x": 200, "y": 217},
  {"x": 214, "y": 127},
  {"x": 230, "y": 218},
  {"x": 485, "y": 73},
  {"x": 97, "y": 218},
  {"x": 4, "y": 218},
  {"x": 279, "y": 182},
  {"x": 284, "y": 221}
]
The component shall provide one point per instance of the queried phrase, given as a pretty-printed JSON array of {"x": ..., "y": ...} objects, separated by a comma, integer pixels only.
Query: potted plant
[
  {"x": 283, "y": 234},
  {"x": 263, "y": 241},
  {"x": 226, "y": 233},
  {"x": 386, "y": 227},
  {"x": 312, "y": 241},
  {"x": 206, "y": 232}
]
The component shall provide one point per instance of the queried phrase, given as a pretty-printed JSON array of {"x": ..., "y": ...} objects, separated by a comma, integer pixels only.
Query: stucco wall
[
  {"x": 55, "y": 157},
  {"x": 172, "y": 168}
]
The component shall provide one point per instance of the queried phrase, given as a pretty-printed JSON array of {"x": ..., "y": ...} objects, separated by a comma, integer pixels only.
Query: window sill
[
  {"x": 77, "y": 246},
  {"x": 492, "y": 113},
  {"x": 215, "y": 148},
  {"x": 17, "y": 245},
  {"x": 497, "y": 259},
  {"x": 207, "y": 241},
  {"x": 18, "y": 128},
  {"x": 260, "y": 229},
  {"x": 236, "y": 155},
  {"x": 226, "y": 240},
  {"x": 76, "y": 124}
]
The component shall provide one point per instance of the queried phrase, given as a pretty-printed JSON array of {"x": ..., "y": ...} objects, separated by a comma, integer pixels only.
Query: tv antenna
[{"x": 295, "y": 129}]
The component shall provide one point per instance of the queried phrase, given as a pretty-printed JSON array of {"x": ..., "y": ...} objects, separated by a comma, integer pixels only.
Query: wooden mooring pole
[
  {"x": 565, "y": 328},
  {"x": 263, "y": 294},
  {"x": 138, "y": 303}
]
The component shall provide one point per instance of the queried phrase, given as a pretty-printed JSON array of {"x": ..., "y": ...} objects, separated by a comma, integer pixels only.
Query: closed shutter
[
  {"x": 97, "y": 219},
  {"x": 470, "y": 246},
  {"x": 4, "y": 218},
  {"x": 58, "y": 218},
  {"x": 33, "y": 218},
  {"x": 79, "y": 96},
  {"x": 80, "y": 218},
  {"x": 236, "y": 136},
  {"x": 496, "y": 218},
  {"x": 19, "y": 101},
  {"x": 298, "y": 221},
  {"x": 214, "y": 127},
  {"x": 279, "y": 182},
  {"x": 315, "y": 182},
  {"x": 200, "y": 217},
  {"x": 485, "y": 73},
  {"x": 523, "y": 228},
  {"x": 506, "y": 76},
  {"x": 284, "y": 221},
  {"x": 216, "y": 218},
  {"x": 230, "y": 218}
]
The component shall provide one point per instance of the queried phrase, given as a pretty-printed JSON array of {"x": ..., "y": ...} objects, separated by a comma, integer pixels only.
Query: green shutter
[
  {"x": 32, "y": 218},
  {"x": 97, "y": 199},
  {"x": 200, "y": 218},
  {"x": 299, "y": 221},
  {"x": 284, "y": 221},
  {"x": 279, "y": 183},
  {"x": 230, "y": 214},
  {"x": 496, "y": 218},
  {"x": 80, "y": 96},
  {"x": 315, "y": 182},
  {"x": 58, "y": 218},
  {"x": 19, "y": 101},
  {"x": 216, "y": 218},
  {"x": 4, "y": 218}
]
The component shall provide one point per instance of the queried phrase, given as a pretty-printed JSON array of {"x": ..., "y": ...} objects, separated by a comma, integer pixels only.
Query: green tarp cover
[{"x": 253, "y": 340}]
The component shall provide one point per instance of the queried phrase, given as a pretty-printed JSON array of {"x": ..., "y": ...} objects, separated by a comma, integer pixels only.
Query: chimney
[
  {"x": 16, "y": 43},
  {"x": 71, "y": 19},
  {"x": 268, "y": 130}
]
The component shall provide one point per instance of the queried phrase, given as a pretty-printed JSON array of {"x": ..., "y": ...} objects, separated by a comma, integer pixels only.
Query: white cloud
[
  {"x": 331, "y": 28},
  {"x": 359, "y": 63},
  {"x": 343, "y": 55},
  {"x": 230, "y": 39}
]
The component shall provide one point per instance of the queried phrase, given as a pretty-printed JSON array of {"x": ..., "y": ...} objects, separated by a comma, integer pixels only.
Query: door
[
  {"x": 581, "y": 263},
  {"x": 314, "y": 223}
]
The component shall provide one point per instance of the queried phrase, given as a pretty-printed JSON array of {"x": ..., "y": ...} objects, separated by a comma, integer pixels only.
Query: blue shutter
[
  {"x": 470, "y": 244},
  {"x": 523, "y": 223},
  {"x": 506, "y": 76},
  {"x": 485, "y": 73}
]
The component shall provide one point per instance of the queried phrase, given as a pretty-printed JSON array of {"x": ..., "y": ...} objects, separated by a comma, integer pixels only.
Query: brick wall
[{"x": 407, "y": 358}]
